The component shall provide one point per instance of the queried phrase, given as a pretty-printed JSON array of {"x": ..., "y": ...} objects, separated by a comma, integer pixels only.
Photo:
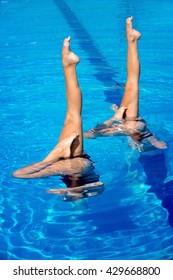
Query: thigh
[
  {"x": 130, "y": 100},
  {"x": 73, "y": 125}
]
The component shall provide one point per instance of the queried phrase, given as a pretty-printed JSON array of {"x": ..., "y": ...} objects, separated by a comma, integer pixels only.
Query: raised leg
[
  {"x": 129, "y": 104},
  {"x": 70, "y": 143},
  {"x": 131, "y": 94}
]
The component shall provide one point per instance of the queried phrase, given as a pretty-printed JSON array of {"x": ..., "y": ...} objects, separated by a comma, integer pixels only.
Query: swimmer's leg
[
  {"x": 129, "y": 104},
  {"x": 70, "y": 142},
  {"x": 131, "y": 94}
]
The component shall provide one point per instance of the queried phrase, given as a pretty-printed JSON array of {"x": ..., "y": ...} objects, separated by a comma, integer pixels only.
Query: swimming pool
[{"x": 132, "y": 218}]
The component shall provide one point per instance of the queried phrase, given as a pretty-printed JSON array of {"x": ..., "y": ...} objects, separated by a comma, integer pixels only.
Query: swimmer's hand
[{"x": 158, "y": 144}]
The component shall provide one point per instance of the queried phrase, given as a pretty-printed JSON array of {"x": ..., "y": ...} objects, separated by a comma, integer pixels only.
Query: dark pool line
[
  {"x": 104, "y": 72},
  {"x": 156, "y": 173}
]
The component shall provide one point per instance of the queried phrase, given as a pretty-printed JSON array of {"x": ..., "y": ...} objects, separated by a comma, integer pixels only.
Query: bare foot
[
  {"x": 68, "y": 57},
  {"x": 132, "y": 34},
  {"x": 118, "y": 114},
  {"x": 159, "y": 144},
  {"x": 62, "y": 149}
]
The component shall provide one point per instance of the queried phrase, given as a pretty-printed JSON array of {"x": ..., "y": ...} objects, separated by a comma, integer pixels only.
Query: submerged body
[{"x": 141, "y": 138}]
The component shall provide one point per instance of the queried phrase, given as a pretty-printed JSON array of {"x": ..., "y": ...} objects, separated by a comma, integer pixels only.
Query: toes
[
  {"x": 67, "y": 41},
  {"x": 114, "y": 108},
  {"x": 129, "y": 20}
]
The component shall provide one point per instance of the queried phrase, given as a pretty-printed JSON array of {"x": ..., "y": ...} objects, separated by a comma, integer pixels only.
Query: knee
[
  {"x": 17, "y": 174},
  {"x": 20, "y": 173},
  {"x": 131, "y": 86},
  {"x": 73, "y": 119}
]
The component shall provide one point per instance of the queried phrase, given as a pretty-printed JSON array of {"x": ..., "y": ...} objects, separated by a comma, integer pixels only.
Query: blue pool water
[{"x": 133, "y": 217}]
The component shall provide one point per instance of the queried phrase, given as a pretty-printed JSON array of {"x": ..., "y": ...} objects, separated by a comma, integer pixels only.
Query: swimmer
[
  {"x": 67, "y": 158},
  {"x": 126, "y": 120}
]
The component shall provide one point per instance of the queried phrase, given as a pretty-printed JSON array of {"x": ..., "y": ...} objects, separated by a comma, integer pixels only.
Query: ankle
[{"x": 71, "y": 66}]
